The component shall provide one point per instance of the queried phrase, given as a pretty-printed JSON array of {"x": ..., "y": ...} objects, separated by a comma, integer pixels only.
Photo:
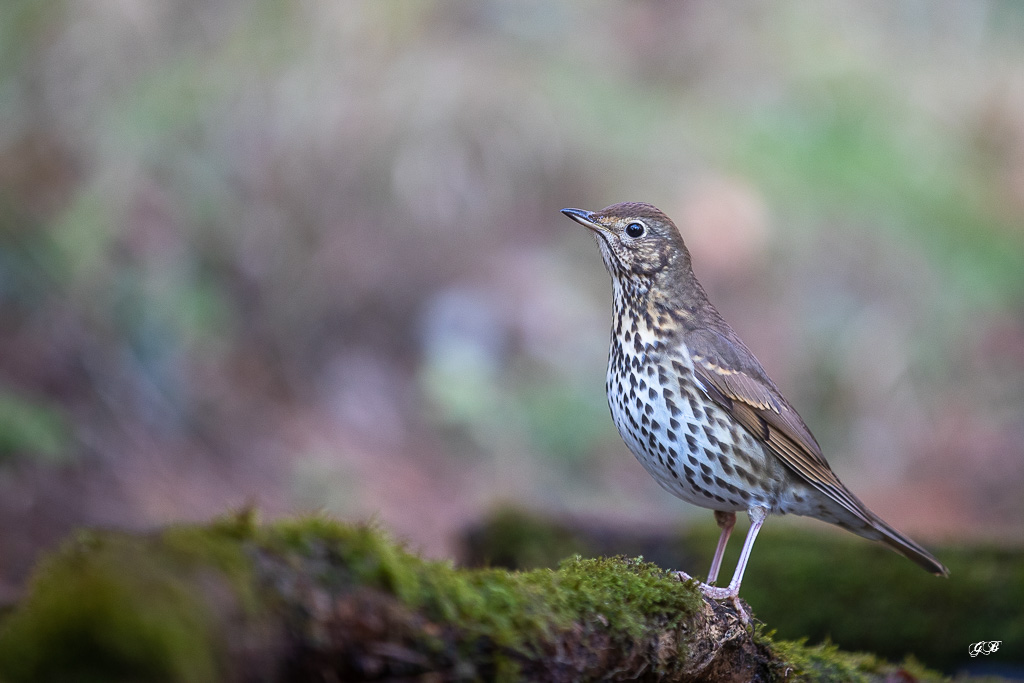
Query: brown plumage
[{"x": 696, "y": 407}]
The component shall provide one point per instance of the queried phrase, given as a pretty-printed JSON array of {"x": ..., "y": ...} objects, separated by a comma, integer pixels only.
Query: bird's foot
[{"x": 730, "y": 593}]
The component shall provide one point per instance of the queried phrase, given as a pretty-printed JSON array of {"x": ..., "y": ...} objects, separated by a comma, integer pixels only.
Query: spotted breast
[{"x": 688, "y": 444}]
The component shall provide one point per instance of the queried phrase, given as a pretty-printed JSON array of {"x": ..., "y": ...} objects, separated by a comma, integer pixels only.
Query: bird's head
[{"x": 638, "y": 242}]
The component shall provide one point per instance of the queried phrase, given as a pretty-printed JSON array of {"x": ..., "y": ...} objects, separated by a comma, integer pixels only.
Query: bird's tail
[{"x": 870, "y": 525}]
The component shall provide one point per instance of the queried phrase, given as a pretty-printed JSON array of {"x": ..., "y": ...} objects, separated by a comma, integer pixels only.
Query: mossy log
[{"x": 317, "y": 600}]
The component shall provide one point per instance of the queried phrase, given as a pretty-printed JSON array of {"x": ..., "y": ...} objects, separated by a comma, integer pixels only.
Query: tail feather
[
  {"x": 908, "y": 548},
  {"x": 869, "y": 525}
]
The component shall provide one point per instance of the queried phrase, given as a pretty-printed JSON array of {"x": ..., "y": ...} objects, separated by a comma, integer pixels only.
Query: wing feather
[{"x": 733, "y": 378}]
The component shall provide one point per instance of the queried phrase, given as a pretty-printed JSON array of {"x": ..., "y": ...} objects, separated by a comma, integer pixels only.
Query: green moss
[
  {"x": 112, "y": 606},
  {"x": 215, "y": 548},
  {"x": 106, "y": 609},
  {"x": 509, "y": 614},
  {"x": 826, "y": 662},
  {"x": 823, "y": 662},
  {"x": 627, "y": 592},
  {"x": 116, "y": 606},
  {"x": 515, "y": 610},
  {"x": 349, "y": 555}
]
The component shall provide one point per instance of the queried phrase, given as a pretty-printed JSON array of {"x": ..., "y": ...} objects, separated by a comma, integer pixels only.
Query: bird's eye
[{"x": 635, "y": 230}]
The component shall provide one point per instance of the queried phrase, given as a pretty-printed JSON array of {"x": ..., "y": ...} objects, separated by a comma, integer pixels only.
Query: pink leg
[
  {"x": 726, "y": 521},
  {"x": 757, "y": 516}
]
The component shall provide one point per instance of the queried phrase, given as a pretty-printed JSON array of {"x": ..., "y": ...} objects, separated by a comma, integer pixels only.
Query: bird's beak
[{"x": 584, "y": 218}]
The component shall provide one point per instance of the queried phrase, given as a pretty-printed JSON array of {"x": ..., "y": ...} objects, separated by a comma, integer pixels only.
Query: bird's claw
[{"x": 716, "y": 593}]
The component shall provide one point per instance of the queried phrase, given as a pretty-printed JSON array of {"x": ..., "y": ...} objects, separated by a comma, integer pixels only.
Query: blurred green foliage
[
  {"x": 851, "y": 149},
  {"x": 513, "y": 539},
  {"x": 566, "y": 422},
  {"x": 32, "y": 430}
]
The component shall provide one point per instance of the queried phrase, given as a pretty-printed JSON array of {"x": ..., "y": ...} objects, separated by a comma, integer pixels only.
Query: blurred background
[{"x": 308, "y": 256}]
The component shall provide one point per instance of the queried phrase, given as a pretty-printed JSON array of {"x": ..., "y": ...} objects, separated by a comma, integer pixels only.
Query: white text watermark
[{"x": 984, "y": 647}]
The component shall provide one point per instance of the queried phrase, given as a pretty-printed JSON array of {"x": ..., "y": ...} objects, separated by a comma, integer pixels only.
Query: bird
[{"x": 696, "y": 407}]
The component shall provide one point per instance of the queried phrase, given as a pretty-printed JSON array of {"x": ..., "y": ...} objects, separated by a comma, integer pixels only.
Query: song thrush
[{"x": 695, "y": 406}]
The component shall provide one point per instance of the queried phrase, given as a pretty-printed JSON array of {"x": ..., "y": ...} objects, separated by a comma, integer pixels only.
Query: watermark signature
[{"x": 983, "y": 647}]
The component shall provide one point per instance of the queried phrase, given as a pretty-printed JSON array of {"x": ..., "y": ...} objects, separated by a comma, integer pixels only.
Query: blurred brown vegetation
[{"x": 309, "y": 255}]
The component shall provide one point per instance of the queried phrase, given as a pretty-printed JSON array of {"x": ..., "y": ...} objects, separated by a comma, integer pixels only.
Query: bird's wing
[{"x": 733, "y": 378}]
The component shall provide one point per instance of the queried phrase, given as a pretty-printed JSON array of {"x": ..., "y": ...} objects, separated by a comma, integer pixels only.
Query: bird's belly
[{"x": 691, "y": 446}]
